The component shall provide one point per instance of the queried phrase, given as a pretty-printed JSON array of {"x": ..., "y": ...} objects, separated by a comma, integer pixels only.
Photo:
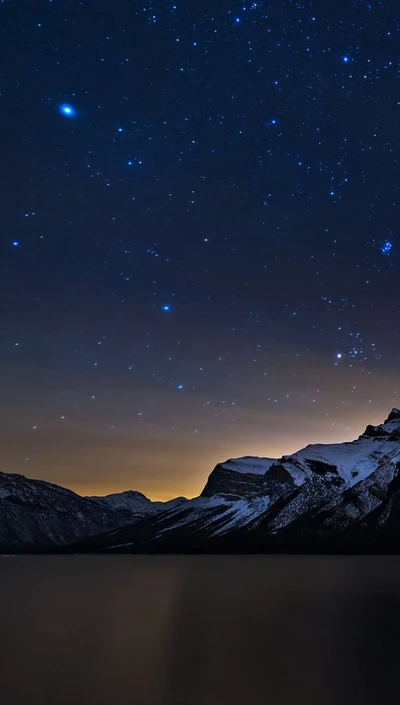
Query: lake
[{"x": 199, "y": 630}]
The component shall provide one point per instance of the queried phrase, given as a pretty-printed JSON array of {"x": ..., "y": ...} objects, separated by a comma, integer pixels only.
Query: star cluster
[{"x": 200, "y": 234}]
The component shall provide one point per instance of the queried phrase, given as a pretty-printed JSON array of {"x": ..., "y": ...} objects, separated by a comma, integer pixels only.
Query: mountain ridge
[{"x": 322, "y": 498}]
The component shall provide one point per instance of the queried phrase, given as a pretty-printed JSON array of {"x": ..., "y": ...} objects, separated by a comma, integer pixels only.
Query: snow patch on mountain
[{"x": 249, "y": 465}]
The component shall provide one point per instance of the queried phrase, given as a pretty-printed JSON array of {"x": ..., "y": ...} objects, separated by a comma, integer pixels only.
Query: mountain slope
[{"x": 36, "y": 515}]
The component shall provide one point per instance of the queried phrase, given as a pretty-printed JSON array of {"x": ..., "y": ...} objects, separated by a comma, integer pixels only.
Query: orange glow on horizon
[
  {"x": 96, "y": 491},
  {"x": 274, "y": 448}
]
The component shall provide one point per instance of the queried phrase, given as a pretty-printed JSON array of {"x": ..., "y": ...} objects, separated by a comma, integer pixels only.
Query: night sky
[{"x": 200, "y": 234}]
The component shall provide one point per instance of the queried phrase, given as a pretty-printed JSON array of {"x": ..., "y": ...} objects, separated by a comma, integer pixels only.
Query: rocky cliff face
[
  {"x": 337, "y": 497},
  {"x": 237, "y": 478}
]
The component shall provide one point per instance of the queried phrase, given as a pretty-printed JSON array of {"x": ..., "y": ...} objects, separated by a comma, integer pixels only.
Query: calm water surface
[{"x": 199, "y": 630}]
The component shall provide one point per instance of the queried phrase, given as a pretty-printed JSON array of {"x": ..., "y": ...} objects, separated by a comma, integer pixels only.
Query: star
[{"x": 67, "y": 110}]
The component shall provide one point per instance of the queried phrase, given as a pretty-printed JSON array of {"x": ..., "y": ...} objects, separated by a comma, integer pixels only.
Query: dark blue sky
[{"x": 199, "y": 242}]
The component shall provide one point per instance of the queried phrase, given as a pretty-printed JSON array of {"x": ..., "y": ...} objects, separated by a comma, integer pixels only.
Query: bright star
[
  {"x": 166, "y": 308},
  {"x": 339, "y": 356},
  {"x": 345, "y": 59},
  {"x": 15, "y": 243},
  {"x": 67, "y": 110}
]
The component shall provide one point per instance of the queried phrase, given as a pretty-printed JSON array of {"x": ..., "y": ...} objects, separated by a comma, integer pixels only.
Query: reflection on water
[{"x": 141, "y": 630}]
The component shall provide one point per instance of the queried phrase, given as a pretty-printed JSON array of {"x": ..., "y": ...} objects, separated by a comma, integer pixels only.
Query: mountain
[
  {"x": 342, "y": 497},
  {"x": 136, "y": 502},
  {"x": 37, "y": 516},
  {"x": 324, "y": 498}
]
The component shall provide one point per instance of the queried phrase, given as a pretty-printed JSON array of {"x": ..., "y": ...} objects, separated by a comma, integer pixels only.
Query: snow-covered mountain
[
  {"x": 338, "y": 497},
  {"x": 136, "y": 502},
  {"x": 324, "y": 497}
]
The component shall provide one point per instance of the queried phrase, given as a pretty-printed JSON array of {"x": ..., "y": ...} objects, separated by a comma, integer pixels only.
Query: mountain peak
[
  {"x": 390, "y": 426},
  {"x": 128, "y": 493},
  {"x": 394, "y": 414},
  {"x": 130, "y": 499}
]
